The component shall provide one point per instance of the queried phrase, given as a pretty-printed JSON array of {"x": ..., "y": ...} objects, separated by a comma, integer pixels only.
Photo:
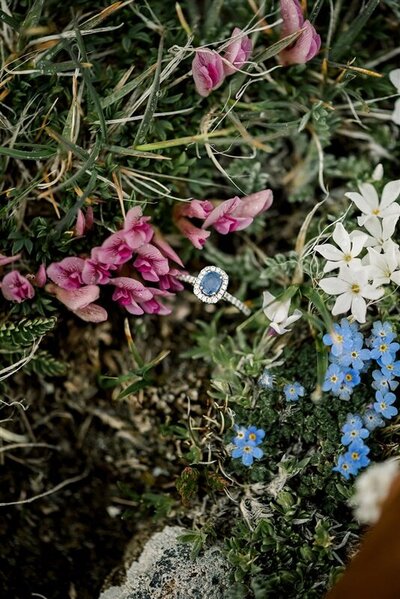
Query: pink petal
[
  {"x": 165, "y": 248},
  {"x": 149, "y": 254},
  {"x": 292, "y": 16},
  {"x": 75, "y": 299},
  {"x": 92, "y": 313},
  {"x": 208, "y": 71},
  {"x": 195, "y": 235},
  {"x": 223, "y": 209},
  {"x": 238, "y": 52},
  {"x": 195, "y": 209},
  {"x": 304, "y": 48},
  {"x": 67, "y": 273},
  {"x": 254, "y": 204},
  {"x": 40, "y": 276},
  {"x": 115, "y": 250},
  {"x": 136, "y": 288},
  {"x": 80, "y": 223}
]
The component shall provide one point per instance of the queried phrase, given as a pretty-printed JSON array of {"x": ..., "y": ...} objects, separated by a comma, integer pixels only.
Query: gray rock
[{"x": 165, "y": 570}]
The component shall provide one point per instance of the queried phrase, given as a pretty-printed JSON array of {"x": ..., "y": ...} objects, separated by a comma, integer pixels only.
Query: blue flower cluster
[
  {"x": 347, "y": 352},
  {"x": 246, "y": 443},
  {"x": 348, "y": 359}
]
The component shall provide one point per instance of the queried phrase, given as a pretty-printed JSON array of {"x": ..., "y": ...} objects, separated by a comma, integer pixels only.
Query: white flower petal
[
  {"x": 333, "y": 285},
  {"x": 388, "y": 227},
  {"x": 396, "y": 277},
  {"x": 341, "y": 238},
  {"x": 329, "y": 266},
  {"x": 390, "y": 193},
  {"x": 329, "y": 252},
  {"x": 358, "y": 308},
  {"x": 394, "y": 77},
  {"x": 358, "y": 243},
  {"x": 396, "y": 112},
  {"x": 361, "y": 203},
  {"x": 370, "y": 194},
  {"x": 374, "y": 227},
  {"x": 371, "y": 292},
  {"x": 378, "y": 171},
  {"x": 342, "y": 304}
]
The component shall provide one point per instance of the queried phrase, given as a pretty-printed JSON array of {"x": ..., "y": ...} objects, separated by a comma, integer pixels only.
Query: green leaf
[
  {"x": 25, "y": 332},
  {"x": 345, "y": 41},
  {"x": 38, "y": 152}
]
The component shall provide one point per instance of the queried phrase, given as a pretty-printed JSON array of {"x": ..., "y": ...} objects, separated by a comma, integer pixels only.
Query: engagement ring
[{"x": 211, "y": 285}]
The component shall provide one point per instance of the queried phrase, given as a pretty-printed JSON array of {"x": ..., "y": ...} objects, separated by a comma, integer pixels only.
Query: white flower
[
  {"x": 278, "y": 313},
  {"x": 351, "y": 286},
  {"x": 378, "y": 172},
  {"x": 350, "y": 247},
  {"x": 368, "y": 201},
  {"x": 394, "y": 77},
  {"x": 380, "y": 231},
  {"x": 384, "y": 267},
  {"x": 371, "y": 489}
]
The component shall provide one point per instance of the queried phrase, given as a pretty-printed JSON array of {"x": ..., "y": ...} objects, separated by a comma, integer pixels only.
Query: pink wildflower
[
  {"x": 129, "y": 292},
  {"x": 84, "y": 222},
  {"x": 208, "y": 71},
  {"x": 67, "y": 273},
  {"x": 95, "y": 272},
  {"x": 136, "y": 228},
  {"x": 115, "y": 250},
  {"x": 237, "y": 214},
  {"x": 170, "y": 282},
  {"x": 150, "y": 262},
  {"x": 197, "y": 236},
  {"x": 238, "y": 52},
  {"x": 154, "y": 306},
  {"x": 307, "y": 44},
  {"x": 16, "y": 288}
]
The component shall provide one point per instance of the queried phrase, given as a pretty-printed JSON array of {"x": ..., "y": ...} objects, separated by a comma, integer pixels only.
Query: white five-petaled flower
[
  {"x": 278, "y": 313},
  {"x": 350, "y": 246},
  {"x": 352, "y": 288},
  {"x": 367, "y": 201},
  {"x": 381, "y": 231},
  {"x": 384, "y": 267}
]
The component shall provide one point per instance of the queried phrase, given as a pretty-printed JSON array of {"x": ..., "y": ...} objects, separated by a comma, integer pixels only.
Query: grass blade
[
  {"x": 152, "y": 99},
  {"x": 346, "y": 39}
]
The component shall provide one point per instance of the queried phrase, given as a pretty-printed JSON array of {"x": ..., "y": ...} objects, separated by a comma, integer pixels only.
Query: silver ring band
[{"x": 210, "y": 286}]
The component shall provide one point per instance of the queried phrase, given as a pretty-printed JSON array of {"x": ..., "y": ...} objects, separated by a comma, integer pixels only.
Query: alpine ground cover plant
[{"x": 142, "y": 142}]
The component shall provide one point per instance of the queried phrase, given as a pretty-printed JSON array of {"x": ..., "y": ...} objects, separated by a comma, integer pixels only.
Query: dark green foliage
[{"x": 14, "y": 335}]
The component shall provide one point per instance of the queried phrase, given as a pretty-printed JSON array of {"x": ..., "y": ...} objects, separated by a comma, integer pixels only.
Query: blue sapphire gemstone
[{"x": 211, "y": 283}]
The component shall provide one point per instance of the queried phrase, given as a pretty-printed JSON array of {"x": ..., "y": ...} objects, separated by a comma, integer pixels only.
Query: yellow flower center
[
  {"x": 348, "y": 377},
  {"x": 252, "y": 437},
  {"x": 247, "y": 449},
  {"x": 383, "y": 347},
  {"x": 334, "y": 378},
  {"x": 347, "y": 257},
  {"x": 355, "y": 455},
  {"x": 376, "y": 211},
  {"x": 355, "y": 288},
  {"x": 382, "y": 405}
]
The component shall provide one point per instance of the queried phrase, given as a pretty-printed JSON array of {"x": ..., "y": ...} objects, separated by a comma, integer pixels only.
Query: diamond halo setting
[{"x": 211, "y": 284}]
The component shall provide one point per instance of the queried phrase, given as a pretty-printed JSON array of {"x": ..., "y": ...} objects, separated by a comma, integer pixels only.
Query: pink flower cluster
[
  {"x": 210, "y": 68},
  {"x": 307, "y": 45},
  {"x": 232, "y": 215},
  {"x": 129, "y": 258},
  {"x": 137, "y": 249}
]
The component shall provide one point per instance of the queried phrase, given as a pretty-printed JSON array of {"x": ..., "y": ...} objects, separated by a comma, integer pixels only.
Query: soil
[{"x": 67, "y": 543}]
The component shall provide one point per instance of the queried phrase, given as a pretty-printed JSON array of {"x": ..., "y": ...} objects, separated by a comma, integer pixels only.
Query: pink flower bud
[
  {"x": 237, "y": 214},
  {"x": 238, "y": 52},
  {"x": 16, "y": 288},
  {"x": 165, "y": 248},
  {"x": 208, "y": 71},
  {"x": 80, "y": 223},
  {"x": 40, "y": 277},
  {"x": 307, "y": 44}
]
